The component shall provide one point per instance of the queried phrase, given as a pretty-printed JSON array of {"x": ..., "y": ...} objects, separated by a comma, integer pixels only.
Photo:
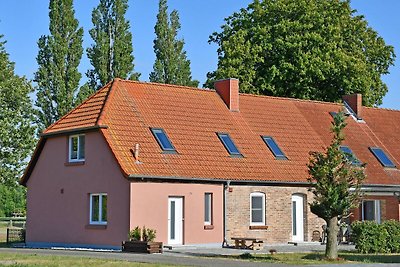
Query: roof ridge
[
  {"x": 379, "y": 108},
  {"x": 168, "y": 85},
  {"x": 292, "y": 99},
  {"x": 81, "y": 104}
]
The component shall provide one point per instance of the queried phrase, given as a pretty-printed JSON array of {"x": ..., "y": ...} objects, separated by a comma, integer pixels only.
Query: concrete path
[{"x": 192, "y": 256}]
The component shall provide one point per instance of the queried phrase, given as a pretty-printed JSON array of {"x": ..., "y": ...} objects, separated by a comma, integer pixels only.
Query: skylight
[
  {"x": 162, "y": 139},
  {"x": 350, "y": 155},
  {"x": 382, "y": 157},
  {"x": 273, "y": 146},
  {"x": 228, "y": 143}
]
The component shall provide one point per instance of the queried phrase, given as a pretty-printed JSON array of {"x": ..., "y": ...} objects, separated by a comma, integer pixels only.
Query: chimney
[
  {"x": 354, "y": 101},
  {"x": 228, "y": 90}
]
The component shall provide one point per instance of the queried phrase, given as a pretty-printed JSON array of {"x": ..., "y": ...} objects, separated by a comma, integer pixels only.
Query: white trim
[
  {"x": 257, "y": 194},
  {"x": 210, "y": 204},
  {"x": 100, "y": 195},
  {"x": 377, "y": 209},
  {"x": 77, "y": 151}
]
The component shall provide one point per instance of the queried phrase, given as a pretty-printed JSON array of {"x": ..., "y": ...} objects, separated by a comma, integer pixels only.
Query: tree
[
  {"x": 307, "y": 49},
  {"x": 17, "y": 133},
  {"x": 59, "y": 56},
  {"x": 111, "y": 54},
  {"x": 171, "y": 65},
  {"x": 335, "y": 180}
]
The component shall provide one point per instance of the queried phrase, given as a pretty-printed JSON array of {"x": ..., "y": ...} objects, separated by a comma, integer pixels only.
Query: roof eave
[{"x": 74, "y": 130}]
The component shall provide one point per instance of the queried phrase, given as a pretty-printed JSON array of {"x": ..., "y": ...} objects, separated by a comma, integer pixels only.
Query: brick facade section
[
  {"x": 278, "y": 213},
  {"x": 389, "y": 208}
]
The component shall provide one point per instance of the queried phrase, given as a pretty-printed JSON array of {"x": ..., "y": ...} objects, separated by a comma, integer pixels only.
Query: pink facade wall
[
  {"x": 58, "y": 195},
  {"x": 149, "y": 207}
]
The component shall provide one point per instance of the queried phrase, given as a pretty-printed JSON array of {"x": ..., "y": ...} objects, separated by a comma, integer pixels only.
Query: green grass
[
  {"x": 318, "y": 258},
  {"x": 33, "y": 260}
]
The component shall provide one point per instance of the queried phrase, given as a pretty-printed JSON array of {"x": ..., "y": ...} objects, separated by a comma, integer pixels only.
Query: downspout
[{"x": 226, "y": 188}]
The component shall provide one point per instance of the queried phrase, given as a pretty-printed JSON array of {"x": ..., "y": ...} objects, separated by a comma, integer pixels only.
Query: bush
[
  {"x": 393, "y": 241},
  {"x": 147, "y": 234},
  {"x": 370, "y": 237},
  {"x": 135, "y": 234}
]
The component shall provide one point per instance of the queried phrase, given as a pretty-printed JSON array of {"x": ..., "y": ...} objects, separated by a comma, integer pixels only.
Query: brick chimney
[
  {"x": 354, "y": 101},
  {"x": 228, "y": 90}
]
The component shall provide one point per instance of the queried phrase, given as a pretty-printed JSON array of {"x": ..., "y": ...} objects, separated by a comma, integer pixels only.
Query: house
[{"x": 198, "y": 165}]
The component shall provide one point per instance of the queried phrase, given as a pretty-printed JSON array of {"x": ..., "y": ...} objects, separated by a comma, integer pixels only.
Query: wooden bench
[{"x": 241, "y": 242}]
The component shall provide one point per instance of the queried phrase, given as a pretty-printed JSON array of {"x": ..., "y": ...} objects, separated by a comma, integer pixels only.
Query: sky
[{"x": 22, "y": 22}]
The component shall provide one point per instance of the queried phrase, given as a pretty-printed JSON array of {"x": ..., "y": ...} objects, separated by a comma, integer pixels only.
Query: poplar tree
[
  {"x": 335, "y": 180},
  {"x": 111, "y": 55},
  {"x": 171, "y": 65},
  {"x": 59, "y": 56},
  {"x": 17, "y": 133}
]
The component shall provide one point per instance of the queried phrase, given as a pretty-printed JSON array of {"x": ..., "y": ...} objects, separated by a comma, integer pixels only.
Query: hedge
[{"x": 371, "y": 237}]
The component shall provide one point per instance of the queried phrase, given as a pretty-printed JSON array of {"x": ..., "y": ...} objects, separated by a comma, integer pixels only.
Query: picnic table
[{"x": 241, "y": 242}]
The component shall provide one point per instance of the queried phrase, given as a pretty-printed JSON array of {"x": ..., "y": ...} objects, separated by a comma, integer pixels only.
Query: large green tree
[
  {"x": 171, "y": 65},
  {"x": 17, "y": 133},
  {"x": 59, "y": 56},
  {"x": 335, "y": 181},
  {"x": 310, "y": 49},
  {"x": 111, "y": 55}
]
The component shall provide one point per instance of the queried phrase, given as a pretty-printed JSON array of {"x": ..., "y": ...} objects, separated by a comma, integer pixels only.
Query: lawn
[
  {"x": 33, "y": 260},
  {"x": 318, "y": 258}
]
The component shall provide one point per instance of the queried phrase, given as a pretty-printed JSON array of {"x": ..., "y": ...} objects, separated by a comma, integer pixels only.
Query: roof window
[
  {"x": 382, "y": 157},
  {"x": 229, "y": 144},
  {"x": 350, "y": 155},
  {"x": 163, "y": 139},
  {"x": 273, "y": 146}
]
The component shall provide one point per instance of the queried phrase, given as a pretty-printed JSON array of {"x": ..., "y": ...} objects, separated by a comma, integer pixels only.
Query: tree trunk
[{"x": 331, "y": 251}]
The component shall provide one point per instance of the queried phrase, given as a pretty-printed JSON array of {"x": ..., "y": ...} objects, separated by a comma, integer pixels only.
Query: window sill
[
  {"x": 96, "y": 226},
  {"x": 74, "y": 163},
  {"x": 208, "y": 227},
  {"x": 258, "y": 227}
]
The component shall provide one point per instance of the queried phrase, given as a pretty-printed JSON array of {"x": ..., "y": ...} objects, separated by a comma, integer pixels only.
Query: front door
[
  {"x": 297, "y": 218},
  {"x": 175, "y": 220}
]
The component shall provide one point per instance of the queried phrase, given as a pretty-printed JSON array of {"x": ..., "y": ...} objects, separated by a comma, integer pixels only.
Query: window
[
  {"x": 371, "y": 210},
  {"x": 350, "y": 155},
  {"x": 229, "y": 145},
  {"x": 163, "y": 139},
  {"x": 382, "y": 157},
  {"x": 273, "y": 146},
  {"x": 257, "y": 209},
  {"x": 77, "y": 148},
  {"x": 208, "y": 208},
  {"x": 98, "y": 208}
]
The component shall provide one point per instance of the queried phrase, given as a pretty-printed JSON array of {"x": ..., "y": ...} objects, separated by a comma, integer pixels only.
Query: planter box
[{"x": 142, "y": 246}]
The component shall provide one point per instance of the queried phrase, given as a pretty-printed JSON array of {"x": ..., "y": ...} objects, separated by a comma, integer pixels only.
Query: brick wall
[
  {"x": 389, "y": 208},
  {"x": 278, "y": 213}
]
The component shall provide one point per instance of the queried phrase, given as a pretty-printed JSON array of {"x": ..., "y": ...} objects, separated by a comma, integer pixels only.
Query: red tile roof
[{"x": 192, "y": 117}]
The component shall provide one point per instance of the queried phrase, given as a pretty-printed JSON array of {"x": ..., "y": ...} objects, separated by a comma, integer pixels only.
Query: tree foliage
[
  {"x": 17, "y": 133},
  {"x": 335, "y": 183},
  {"x": 59, "y": 56},
  {"x": 309, "y": 49},
  {"x": 111, "y": 55},
  {"x": 171, "y": 65}
]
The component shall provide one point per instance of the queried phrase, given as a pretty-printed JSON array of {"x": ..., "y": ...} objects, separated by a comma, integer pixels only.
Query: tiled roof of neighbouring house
[{"x": 191, "y": 118}]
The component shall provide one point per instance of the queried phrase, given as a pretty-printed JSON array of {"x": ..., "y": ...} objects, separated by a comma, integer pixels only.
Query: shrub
[
  {"x": 393, "y": 240},
  {"x": 145, "y": 234},
  {"x": 370, "y": 237}
]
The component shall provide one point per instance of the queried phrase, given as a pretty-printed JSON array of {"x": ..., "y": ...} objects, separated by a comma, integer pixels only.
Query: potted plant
[{"x": 142, "y": 241}]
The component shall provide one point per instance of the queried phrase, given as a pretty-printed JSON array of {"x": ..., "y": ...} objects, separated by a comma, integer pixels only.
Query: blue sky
[{"x": 23, "y": 22}]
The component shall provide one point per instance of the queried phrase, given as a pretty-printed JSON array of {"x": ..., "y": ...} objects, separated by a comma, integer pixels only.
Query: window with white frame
[
  {"x": 371, "y": 210},
  {"x": 208, "y": 208},
  {"x": 98, "y": 208},
  {"x": 77, "y": 148},
  {"x": 257, "y": 209}
]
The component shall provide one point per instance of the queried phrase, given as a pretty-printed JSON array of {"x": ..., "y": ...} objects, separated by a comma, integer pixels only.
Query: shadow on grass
[{"x": 356, "y": 257}]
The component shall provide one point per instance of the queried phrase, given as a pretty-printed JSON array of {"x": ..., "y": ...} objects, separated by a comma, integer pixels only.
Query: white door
[
  {"x": 175, "y": 220},
  {"x": 297, "y": 218}
]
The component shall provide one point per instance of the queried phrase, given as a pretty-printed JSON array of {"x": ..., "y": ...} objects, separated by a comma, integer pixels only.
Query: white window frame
[
  {"x": 70, "y": 159},
  {"x": 377, "y": 210},
  {"x": 100, "y": 221},
  {"x": 257, "y": 194},
  {"x": 210, "y": 205}
]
